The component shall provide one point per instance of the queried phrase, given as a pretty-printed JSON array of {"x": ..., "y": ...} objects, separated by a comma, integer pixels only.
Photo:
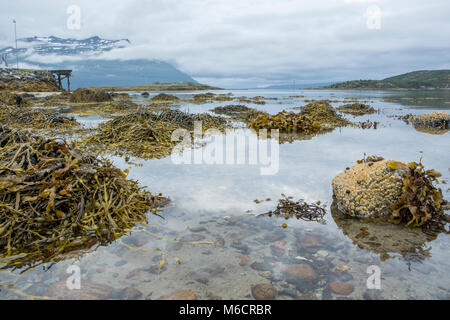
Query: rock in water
[
  {"x": 264, "y": 291},
  {"x": 341, "y": 288},
  {"x": 179, "y": 295},
  {"x": 368, "y": 189},
  {"x": 299, "y": 271},
  {"x": 88, "y": 291}
]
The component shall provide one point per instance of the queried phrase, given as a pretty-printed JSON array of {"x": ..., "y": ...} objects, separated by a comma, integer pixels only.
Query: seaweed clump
[
  {"x": 89, "y": 95},
  {"x": 147, "y": 134},
  {"x": 356, "y": 109},
  {"x": 36, "y": 118},
  {"x": 287, "y": 208},
  {"x": 370, "y": 159},
  {"x": 321, "y": 111},
  {"x": 421, "y": 202},
  {"x": 286, "y": 122},
  {"x": 54, "y": 200},
  {"x": 13, "y": 99},
  {"x": 238, "y": 112},
  {"x": 165, "y": 97}
]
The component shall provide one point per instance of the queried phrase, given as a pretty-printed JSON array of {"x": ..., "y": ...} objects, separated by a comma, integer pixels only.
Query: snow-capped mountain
[
  {"x": 60, "y": 46},
  {"x": 91, "y": 70}
]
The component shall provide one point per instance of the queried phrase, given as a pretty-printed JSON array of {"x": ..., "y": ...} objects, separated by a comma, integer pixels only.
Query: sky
[{"x": 248, "y": 43}]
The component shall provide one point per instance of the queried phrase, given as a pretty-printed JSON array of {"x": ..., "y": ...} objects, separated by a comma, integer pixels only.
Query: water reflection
[
  {"x": 385, "y": 239},
  {"x": 210, "y": 204}
]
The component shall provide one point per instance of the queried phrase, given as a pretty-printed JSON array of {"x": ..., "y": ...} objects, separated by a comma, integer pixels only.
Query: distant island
[{"x": 424, "y": 79}]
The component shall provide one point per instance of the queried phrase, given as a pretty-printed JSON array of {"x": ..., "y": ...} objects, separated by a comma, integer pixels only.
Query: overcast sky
[{"x": 236, "y": 43}]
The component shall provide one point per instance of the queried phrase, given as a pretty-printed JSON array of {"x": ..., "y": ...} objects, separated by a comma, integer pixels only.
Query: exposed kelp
[
  {"x": 324, "y": 113},
  {"x": 421, "y": 202},
  {"x": 314, "y": 118},
  {"x": 147, "y": 134},
  {"x": 90, "y": 95},
  {"x": 116, "y": 107},
  {"x": 238, "y": 112},
  {"x": 286, "y": 122},
  {"x": 287, "y": 208},
  {"x": 203, "y": 96},
  {"x": 13, "y": 99},
  {"x": 165, "y": 97},
  {"x": 54, "y": 200},
  {"x": 35, "y": 118},
  {"x": 139, "y": 137},
  {"x": 356, "y": 109}
]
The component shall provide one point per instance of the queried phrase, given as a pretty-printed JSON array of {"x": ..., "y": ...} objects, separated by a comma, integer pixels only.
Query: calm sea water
[{"x": 212, "y": 226}]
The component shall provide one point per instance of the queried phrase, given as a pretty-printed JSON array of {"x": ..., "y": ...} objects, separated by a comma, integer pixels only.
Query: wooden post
[
  {"x": 68, "y": 83},
  {"x": 59, "y": 81}
]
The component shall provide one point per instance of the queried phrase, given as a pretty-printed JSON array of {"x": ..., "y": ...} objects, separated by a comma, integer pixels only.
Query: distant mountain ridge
[
  {"x": 90, "y": 70},
  {"x": 423, "y": 79},
  {"x": 294, "y": 86}
]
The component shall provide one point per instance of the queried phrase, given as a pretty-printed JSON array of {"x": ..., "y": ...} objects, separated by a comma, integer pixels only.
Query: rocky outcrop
[
  {"x": 27, "y": 80},
  {"x": 368, "y": 189}
]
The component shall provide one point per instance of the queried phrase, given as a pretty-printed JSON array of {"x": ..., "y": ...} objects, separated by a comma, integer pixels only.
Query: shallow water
[{"x": 211, "y": 224}]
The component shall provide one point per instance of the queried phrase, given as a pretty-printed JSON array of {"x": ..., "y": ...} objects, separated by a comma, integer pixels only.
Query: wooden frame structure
[{"x": 60, "y": 75}]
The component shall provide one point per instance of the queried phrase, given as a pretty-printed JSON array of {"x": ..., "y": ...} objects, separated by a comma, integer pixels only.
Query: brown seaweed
[
  {"x": 54, "y": 200},
  {"x": 287, "y": 208}
]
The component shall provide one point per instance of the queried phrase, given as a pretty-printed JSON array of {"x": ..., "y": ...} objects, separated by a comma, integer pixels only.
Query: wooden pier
[{"x": 60, "y": 75}]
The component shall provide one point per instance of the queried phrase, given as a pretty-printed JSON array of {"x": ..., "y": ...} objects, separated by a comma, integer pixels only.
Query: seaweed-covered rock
[
  {"x": 368, "y": 189},
  {"x": 13, "y": 99},
  {"x": 165, "y": 97},
  {"x": 90, "y": 95},
  {"x": 238, "y": 112},
  {"x": 356, "y": 109},
  {"x": 27, "y": 80},
  {"x": 36, "y": 118},
  {"x": 321, "y": 111},
  {"x": 203, "y": 96},
  {"x": 286, "y": 122}
]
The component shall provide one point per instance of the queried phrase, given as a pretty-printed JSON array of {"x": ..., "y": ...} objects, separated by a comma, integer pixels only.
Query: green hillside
[{"x": 425, "y": 79}]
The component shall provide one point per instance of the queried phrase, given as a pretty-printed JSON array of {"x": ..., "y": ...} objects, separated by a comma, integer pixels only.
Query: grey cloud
[{"x": 252, "y": 42}]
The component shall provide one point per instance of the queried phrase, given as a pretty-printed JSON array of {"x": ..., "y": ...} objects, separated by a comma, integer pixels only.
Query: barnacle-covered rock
[
  {"x": 433, "y": 123},
  {"x": 369, "y": 189},
  {"x": 394, "y": 190}
]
